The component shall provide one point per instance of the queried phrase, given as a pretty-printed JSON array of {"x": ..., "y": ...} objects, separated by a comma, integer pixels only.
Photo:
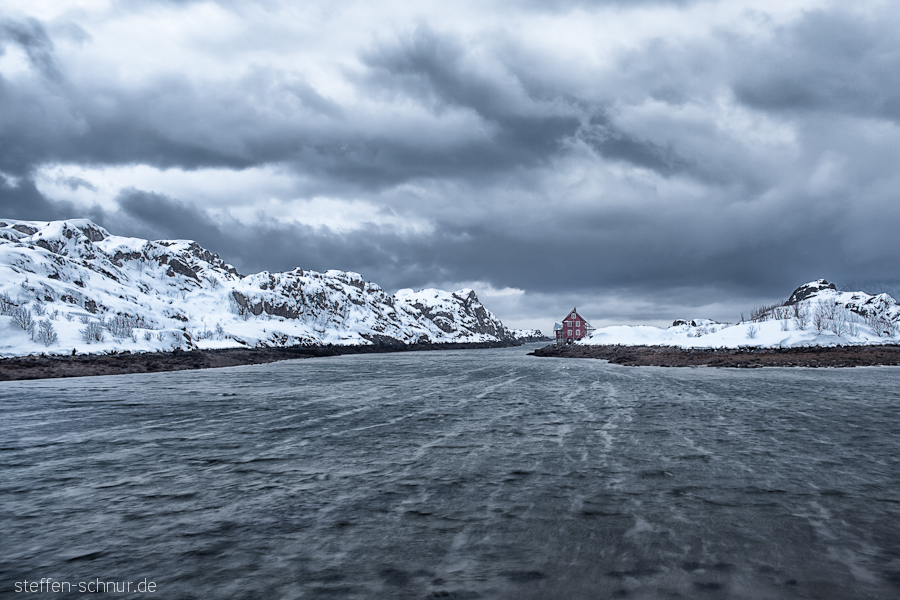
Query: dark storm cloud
[
  {"x": 20, "y": 199},
  {"x": 33, "y": 39},
  {"x": 267, "y": 116},
  {"x": 266, "y": 245},
  {"x": 151, "y": 126},
  {"x": 485, "y": 254},
  {"x": 157, "y": 216},
  {"x": 434, "y": 69},
  {"x": 617, "y": 145},
  {"x": 829, "y": 61}
]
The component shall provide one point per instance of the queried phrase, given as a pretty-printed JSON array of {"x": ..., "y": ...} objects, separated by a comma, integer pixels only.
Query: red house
[{"x": 574, "y": 327}]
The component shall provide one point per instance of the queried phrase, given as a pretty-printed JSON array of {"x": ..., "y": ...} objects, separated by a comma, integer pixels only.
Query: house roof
[{"x": 575, "y": 312}]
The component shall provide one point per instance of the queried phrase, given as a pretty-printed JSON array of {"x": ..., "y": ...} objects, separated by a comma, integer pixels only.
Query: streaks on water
[{"x": 469, "y": 474}]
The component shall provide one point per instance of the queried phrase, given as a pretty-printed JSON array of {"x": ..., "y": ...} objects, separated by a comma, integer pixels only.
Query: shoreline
[
  {"x": 745, "y": 358},
  {"x": 21, "y": 368}
]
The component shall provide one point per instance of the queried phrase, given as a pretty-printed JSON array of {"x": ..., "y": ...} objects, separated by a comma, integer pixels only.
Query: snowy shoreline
[
  {"x": 816, "y": 315},
  {"x": 744, "y": 357},
  {"x": 52, "y": 366}
]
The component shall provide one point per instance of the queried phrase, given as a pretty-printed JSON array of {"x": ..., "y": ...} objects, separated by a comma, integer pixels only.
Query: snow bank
[{"x": 816, "y": 314}]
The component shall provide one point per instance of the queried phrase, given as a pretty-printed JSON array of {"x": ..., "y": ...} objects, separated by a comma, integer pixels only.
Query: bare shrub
[
  {"x": 46, "y": 334},
  {"x": 69, "y": 316},
  {"x": 92, "y": 332},
  {"x": 881, "y": 323},
  {"x": 781, "y": 313},
  {"x": 122, "y": 326},
  {"x": 6, "y": 304},
  {"x": 839, "y": 321},
  {"x": 54, "y": 315},
  {"x": 237, "y": 308},
  {"x": 39, "y": 309},
  {"x": 220, "y": 332},
  {"x": 84, "y": 319},
  {"x": 21, "y": 316},
  {"x": 765, "y": 312},
  {"x": 785, "y": 324},
  {"x": 148, "y": 335},
  {"x": 752, "y": 331},
  {"x": 801, "y": 316},
  {"x": 820, "y": 318}
]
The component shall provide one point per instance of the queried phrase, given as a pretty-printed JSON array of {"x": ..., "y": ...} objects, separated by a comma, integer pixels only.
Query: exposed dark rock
[
  {"x": 27, "y": 230},
  {"x": 45, "y": 245},
  {"x": 119, "y": 257},
  {"x": 176, "y": 266},
  {"x": 809, "y": 289},
  {"x": 92, "y": 232}
]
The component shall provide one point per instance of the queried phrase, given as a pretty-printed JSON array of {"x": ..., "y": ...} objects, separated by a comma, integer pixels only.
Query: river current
[{"x": 455, "y": 474}]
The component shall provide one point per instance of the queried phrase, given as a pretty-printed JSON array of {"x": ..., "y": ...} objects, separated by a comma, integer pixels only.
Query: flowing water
[{"x": 459, "y": 474}]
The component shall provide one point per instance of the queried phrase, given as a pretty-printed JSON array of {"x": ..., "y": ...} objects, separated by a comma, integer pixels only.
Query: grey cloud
[
  {"x": 640, "y": 254},
  {"x": 272, "y": 117},
  {"x": 22, "y": 200},
  {"x": 564, "y": 5},
  {"x": 617, "y": 145},
  {"x": 74, "y": 183},
  {"x": 831, "y": 61},
  {"x": 268, "y": 245},
  {"x": 434, "y": 69},
  {"x": 32, "y": 37},
  {"x": 159, "y": 216}
]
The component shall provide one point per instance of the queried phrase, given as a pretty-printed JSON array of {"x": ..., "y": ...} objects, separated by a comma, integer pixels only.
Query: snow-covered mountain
[
  {"x": 72, "y": 285},
  {"x": 815, "y": 314}
]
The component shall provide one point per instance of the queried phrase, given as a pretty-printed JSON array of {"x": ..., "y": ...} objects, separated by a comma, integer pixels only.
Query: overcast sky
[{"x": 643, "y": 160}]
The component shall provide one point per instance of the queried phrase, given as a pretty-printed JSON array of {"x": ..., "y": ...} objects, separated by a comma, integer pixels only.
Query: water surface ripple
[{"x": 460, "y": 474}]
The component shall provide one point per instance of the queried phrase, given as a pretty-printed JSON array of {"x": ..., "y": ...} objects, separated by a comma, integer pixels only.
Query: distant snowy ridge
[
  {"x": 98, "y": 292},
  {"x": 530, "y": 335},
  {"x": 815, "y": 314}
]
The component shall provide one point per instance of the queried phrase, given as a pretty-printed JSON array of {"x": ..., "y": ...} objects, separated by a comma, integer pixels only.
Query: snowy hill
[
  {"x": 72, "y": 285},
  {"x": 815, "y": 314}
]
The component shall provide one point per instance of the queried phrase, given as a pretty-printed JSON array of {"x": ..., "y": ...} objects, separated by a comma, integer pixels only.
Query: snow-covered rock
[
  {"x": 530, "y": 335},
  {"x": 815, "y": 314},
  {"x": 808, "y": 290},
  {"x": 101, "y": 292}
]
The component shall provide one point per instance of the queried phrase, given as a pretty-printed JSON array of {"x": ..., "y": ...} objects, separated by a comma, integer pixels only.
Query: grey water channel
[{"x": 456, "y": 474}]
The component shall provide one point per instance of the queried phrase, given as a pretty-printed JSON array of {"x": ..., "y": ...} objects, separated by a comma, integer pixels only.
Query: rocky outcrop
[
  {"x": 453, "y": 313},
  {"x": 809, "y": 289}
]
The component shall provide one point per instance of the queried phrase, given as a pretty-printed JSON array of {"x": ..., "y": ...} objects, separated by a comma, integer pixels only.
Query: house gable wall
[{"x": 574, "y": 327}]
